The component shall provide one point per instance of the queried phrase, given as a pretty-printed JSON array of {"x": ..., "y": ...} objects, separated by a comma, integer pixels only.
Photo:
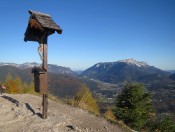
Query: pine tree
[
  {"x": 134, "y": 106},
  {"x": 163, "y": 124}
]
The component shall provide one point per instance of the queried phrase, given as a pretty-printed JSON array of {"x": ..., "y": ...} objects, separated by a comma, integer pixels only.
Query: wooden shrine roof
[
  {"x": 46, "y": 21},
  {"x": 40, "y": 25}
]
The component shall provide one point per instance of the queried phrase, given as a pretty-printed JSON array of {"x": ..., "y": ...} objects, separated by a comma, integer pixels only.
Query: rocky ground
[{"x": 22, "y": 113}]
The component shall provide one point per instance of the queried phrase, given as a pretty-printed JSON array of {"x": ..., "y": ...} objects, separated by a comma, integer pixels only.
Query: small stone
[
  {"x": 50, "y": 130},
  {"x": 72, "y": 127},
  {"x": 2, "y": 106}
]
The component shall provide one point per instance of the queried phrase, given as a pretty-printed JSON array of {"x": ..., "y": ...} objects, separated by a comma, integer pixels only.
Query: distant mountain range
[
  {"x": 124, "y": 70},
  {"x": 52, "y": 68},
  {"x": 65, "y": 83},
  {"x": 110, "y": 72}
]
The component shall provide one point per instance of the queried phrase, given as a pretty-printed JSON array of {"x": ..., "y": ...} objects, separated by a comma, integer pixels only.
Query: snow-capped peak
[
  {"x": 21, "y": 66},
  {"x": 134, "y": 62},
  {"x": 98, "y": 65},
  {"x": 10, "y": 64}
]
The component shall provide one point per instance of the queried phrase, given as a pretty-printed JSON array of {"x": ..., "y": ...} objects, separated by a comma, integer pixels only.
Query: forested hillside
[{"x": 59, "y": 84}]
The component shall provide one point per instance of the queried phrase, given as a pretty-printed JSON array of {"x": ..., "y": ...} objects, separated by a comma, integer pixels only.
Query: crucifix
[{"x": 40, "y": 26}]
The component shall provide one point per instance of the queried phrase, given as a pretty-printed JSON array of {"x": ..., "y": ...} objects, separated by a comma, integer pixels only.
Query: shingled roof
[
  {"x": 46, "y": 21},
  {"x": 39, "y": 25}
]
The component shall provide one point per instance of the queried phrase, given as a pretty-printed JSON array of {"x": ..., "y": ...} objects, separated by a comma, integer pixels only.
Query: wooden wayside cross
[{"x": 40, "y": 26}]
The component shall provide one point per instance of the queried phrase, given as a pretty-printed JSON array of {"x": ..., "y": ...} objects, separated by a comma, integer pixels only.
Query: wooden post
[
  {"x": 45, "y": 67},
  {"x": 45, "y": 106}
]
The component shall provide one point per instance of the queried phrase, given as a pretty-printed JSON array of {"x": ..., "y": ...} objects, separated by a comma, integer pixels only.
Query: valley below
[{"x": 163, "y": 94}]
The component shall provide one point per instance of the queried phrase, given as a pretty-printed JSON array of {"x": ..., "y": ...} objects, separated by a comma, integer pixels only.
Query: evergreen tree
[
  {"x": 134, "y": 106},
  {"x": 162, "y": 124},
  {"x": 166, "y": 125}
]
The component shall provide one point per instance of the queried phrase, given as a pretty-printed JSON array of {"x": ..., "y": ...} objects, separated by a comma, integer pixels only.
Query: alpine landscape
[
  {"x": 87, "y": 66},
  {"x": 105, "y": 81}
]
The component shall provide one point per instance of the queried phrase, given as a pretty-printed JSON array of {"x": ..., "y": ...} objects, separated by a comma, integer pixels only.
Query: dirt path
[{"x": 22, "y": 113}]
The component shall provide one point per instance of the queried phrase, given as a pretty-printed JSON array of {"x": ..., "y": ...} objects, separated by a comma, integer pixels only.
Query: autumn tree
[
  {"x": 9, "y": 84},
  {"x": 109, "y": 114},
  {"x": 15, "y": 85},
  {"x": 85, "y": 100},
  {"x": 18, "y": 84}
]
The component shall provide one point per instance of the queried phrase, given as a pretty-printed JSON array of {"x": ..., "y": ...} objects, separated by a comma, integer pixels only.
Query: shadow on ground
[{"x": 28, "y": 106}]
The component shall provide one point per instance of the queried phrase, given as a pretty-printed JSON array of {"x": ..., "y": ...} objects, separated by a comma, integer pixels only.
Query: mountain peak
[
  {"x": 134, "y": 62},
  {"x": 122, "y": 70}
]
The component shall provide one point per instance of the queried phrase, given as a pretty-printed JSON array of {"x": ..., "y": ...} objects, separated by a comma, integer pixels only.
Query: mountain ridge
[
  {"x": 53, "y": 68},
  {"x": 122, "y": 70}
]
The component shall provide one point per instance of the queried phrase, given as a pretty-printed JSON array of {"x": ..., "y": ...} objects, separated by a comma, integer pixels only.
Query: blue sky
[{"x": 93, "y": 31}]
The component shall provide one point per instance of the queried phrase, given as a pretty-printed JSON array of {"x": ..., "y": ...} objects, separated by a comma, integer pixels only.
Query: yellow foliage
[
  {"x": 84, "y": 99},
  {"x": 109, "y": 115},
  {"x": 15, "y": 86}
]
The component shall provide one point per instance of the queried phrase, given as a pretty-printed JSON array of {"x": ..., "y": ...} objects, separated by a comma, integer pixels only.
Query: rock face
[{"x": 22, "y": 113}]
